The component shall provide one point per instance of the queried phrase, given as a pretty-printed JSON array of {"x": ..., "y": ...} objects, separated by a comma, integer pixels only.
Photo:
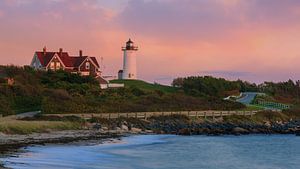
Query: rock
[
  {"x": 239, "y": 130},
  {"x": 2, "y": 135},
  {"x": 124, "y": 127},
  {"x": 184, "y": 132},
  {"x": 160, "y": 132},
  {"x": 104, "y": 128},
  {"x": 297, "y": 132},
  {"x": 88, "y": 125},
  {"x": 218, "y": 119},
  {"x": 136, "y": 130},
  {"x": 96, "y": 126},
  {"x": 148, "y": 131},
  {"x": 254, "y": 131},
  {"x": 268, "y": 124}
]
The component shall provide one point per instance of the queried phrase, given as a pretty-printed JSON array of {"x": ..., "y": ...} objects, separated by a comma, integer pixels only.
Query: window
[
  {"x": 87, "y": 65},
  {"x": 58, "y": 65},
  {"x": 52, "y": 65}
]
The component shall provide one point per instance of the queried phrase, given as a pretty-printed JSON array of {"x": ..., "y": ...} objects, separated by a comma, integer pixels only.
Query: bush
[{"x": 5, "y": 107}]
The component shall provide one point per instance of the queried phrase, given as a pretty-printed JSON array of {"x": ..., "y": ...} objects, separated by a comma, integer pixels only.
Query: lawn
[
  {"x": 253, "y": 108},
  {"x": 13, "y": 126},
  {"x": 146, "y": 86}
]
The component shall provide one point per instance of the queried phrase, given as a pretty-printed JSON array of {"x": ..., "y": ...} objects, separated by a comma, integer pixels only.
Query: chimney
[
  {"x": 80, "y": 53},
  {"x": 44, "y": 50},
  {"x": 60, "y": 51}
]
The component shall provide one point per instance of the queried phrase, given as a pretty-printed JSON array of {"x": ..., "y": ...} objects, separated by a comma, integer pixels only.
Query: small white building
[{"x": 129, "y": 63}]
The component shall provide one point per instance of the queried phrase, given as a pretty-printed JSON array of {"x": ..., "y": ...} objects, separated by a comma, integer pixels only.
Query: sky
[{"x": 253, "y": 40}]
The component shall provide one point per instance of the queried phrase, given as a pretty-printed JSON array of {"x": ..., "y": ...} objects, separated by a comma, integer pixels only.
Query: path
[{"x": 248, "y": 97}]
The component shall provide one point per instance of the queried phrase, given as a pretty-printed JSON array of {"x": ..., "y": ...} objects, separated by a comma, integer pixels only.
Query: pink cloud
[{"x": 177, "y": 37}]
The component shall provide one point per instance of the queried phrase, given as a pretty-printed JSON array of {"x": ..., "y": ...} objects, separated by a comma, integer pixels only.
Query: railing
[
  {"x": 272, "y": 105},
  {"x": 145, "y": 115}
]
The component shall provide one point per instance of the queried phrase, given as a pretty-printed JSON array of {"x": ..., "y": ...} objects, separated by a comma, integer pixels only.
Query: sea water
[{"x": 167, "y": 152}]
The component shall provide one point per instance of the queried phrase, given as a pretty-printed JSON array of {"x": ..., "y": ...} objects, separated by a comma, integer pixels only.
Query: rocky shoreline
[
  {"x": 182, "y": 125},
  {"x": 240, "y": 129},
  {"x": 101, "y": 130},
  {"x": 98, "y": 129}
]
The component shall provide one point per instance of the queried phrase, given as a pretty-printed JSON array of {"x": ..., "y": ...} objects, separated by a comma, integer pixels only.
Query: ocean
[{"x": 166, "y": 152}]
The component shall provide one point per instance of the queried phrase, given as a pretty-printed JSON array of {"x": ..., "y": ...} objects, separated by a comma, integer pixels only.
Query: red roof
[
  {"x": 45, "y": 58},
  {"x": 95, "y": 61},
  {"x": 101, "y": 80},
  {"x": 68, "y": 61}
]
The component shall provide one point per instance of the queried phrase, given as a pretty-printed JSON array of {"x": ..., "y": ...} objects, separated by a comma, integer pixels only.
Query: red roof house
[{"x": 83, "y": 65}]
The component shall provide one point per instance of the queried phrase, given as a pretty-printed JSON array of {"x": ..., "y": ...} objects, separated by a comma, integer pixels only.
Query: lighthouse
[{"x": 129, "y": 61}]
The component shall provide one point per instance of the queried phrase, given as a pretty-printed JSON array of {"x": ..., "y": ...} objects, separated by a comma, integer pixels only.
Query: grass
[
  {"x": 269, "y": 102},
  {"x": 27, "y": 127},
  {"x": 264, "y": 116},
  {"x": 253, "y": 108},
  {"x": 146, "y": 86},
  {"x": 271, "y": 116}
]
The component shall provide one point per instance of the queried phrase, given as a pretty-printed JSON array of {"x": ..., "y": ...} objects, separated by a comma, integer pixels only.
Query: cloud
[
  {"x": 1, "y": 13},
  {"x": 175, "y": 18},
  {"x": 175, "y": 37},
  {"x": 30, "y": 24},
  {"x": 206, "y": 19}
]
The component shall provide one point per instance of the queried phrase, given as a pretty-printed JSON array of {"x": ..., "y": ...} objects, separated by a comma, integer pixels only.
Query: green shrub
[{"x": 5, "y": 107}]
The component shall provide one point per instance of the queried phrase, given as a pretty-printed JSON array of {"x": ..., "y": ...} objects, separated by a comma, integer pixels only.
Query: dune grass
[{"x": 28, "y": 127}]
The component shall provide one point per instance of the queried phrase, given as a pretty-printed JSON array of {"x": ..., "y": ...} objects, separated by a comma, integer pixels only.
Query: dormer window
[{"x": 87, "y": 65}]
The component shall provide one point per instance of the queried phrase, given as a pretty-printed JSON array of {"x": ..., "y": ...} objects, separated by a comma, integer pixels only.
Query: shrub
[{"x": 5, "y": 107}]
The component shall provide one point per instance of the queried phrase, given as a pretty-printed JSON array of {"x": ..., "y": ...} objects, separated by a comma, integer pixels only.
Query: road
[{"x": 248, "y": 97}]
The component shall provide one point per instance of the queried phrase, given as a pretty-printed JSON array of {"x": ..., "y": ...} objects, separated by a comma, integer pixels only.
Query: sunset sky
[{"x": 255, "y": 40}]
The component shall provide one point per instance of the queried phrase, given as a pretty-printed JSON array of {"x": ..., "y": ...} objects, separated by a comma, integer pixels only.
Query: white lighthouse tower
[{"x": 129, "y": 64}]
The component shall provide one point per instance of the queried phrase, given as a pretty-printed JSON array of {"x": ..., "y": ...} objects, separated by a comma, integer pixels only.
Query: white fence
[{"x": 145, "y": 115}]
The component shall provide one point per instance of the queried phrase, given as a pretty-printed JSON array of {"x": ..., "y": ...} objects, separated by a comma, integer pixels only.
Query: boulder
[
  {"x": 184, "y": 132},
  {"x": 148, "y": 131},
  {"x": 2, "y": 135},
  {"x": 239, "y": 130},
  {"x": 136, "y": 130},
  {"x": 297, "y": 132},
  {"x": 104, "y": 128},
  {"x": 88, "y": 126},
  {"x": 96, "y": 126},
  {"x": 124, "y": 127},
  {"x": 254, "y": 130},
  {"x": 268, "y": 124}
]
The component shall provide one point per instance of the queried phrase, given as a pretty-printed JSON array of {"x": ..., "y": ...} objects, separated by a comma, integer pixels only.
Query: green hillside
[
  {"x": 148, "y": 87},
  {"x": 63, "y": 92}
]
